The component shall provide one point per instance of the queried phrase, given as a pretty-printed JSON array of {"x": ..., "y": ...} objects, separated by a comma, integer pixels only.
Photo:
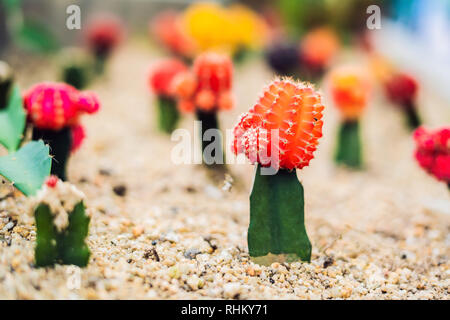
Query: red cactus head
[
  {"x": 295, "y": 109},
  {"x": 103, "y": 34},
  {"x": 57, "y": 105},
  {"x": 433, "y": 151},
  {"x": 401, "y": 89},
  {"x": 208, "y": 87},
  {"x": 318, "y": 47},
  {"x": 52, "y": 181},
  {"x": 166, "y": 27},
  {"x": 350, "y": 91},
  {"x": 162, "y": 75}
]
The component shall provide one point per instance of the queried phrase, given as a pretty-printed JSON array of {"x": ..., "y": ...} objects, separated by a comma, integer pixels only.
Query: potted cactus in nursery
[
  {"x": 350, "y": 92},
  {"x": 160, "y": 81},
  {"x": 25, "y": 165},
  {"x": 207, "y": 90},
  {"x": 279, "y": 134},
  {"x": 433, "y": 152},
  {"x": 54, "y": 111}
]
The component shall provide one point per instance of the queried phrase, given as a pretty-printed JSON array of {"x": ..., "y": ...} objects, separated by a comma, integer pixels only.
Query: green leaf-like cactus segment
[
  {"x": 277, "y": 217},
  {"x": 12, "y": 122},
  {"x": 27, "y": 168},
  {"x": 65, "y": 247},
  {"x": 167, "y": 114},
  {"x": 349, "y": 149}
]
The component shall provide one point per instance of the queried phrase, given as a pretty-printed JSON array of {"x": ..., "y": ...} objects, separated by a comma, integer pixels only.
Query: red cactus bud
[
  {"x": 295, "y": 109},
  {"x": 208, "y": 87},
  {"x": 350, "y": 91},
  {"x": 57, "y": 105},
  {"x": 103, "y": 34},
  {"x": 401, "y": 89},
  {"x": 433, "y": 151},
  {"x": 52, "y": 181},
  {"x": 162, "y": 75}
]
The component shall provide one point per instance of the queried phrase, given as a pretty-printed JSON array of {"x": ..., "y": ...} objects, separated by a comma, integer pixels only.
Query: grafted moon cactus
[
  {"x": 280, "y": 132},
  {"x": 402, "y": 90},
  {"x": 206, "y": 90},
  {"x": 350, "y": 93},
  {"x": 54, "y": 110},
  {"x": 161, "y": 77}
]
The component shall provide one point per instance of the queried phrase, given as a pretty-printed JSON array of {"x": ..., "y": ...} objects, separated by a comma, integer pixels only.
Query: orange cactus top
[
  {"x": 294, "y": 110},
  {"x": 319, "y": 46},
  {"x": 208, "y": 86},
  {"x": 350, "y": 92}
]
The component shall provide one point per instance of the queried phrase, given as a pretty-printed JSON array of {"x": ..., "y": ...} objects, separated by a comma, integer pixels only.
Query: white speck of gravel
[
  {"x": 213, "y": 192},
  {"x": 230, "y": 290}
]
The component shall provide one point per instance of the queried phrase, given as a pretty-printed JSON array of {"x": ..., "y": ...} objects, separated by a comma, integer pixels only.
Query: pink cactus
[{"x": 54, "y": 106}]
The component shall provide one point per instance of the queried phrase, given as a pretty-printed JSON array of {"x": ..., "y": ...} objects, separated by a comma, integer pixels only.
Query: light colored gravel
[{"x": 378, "y": 234}]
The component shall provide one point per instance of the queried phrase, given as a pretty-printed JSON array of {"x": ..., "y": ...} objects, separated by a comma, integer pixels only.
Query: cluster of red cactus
[
  {"x": 433, "y": 151},
  {"x": 162, "y": 74},
  {"x": 295, "y": 109},
  {"x": 208, "y": 86},
  {"x": 401, "y": 89},
  {"x": 53, "y": 106},
  {"x": 167, "y": 29},
  {"x": 103, "y": 34}
]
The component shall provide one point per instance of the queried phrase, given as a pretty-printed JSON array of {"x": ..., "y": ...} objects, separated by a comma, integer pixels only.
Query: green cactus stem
[
  {"x": 277, "y": 230},
  {"x": 412, "y": 117},
  {"x": 6, "y": 84},
  {"x": 168, "y": 114},
  {"x": 349, "y": 149},
  {"x": 209, "y": 121},
  {"x": 75, "y": 75},
  {"x": 60, "y": 143},
  {"x": 61, "y": 247}
]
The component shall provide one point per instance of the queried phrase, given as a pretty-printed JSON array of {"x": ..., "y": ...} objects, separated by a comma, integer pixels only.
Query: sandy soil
[{"x": 382, "y": 233}]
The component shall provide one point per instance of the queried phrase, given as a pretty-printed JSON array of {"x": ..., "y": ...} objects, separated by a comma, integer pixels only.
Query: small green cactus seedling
[{"x": 62, "y": 225}]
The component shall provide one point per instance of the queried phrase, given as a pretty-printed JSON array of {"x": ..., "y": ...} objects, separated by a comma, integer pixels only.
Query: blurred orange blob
[
  {"x": 350, "y": 91},
  {"x": 319, "y": 47},
  {"x": 168, "y": 29},
  {"x": 294, "y": 110}
]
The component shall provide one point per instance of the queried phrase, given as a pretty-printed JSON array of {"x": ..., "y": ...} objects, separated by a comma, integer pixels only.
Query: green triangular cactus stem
[
  {"x": 209, "y": 121},
  {"x": 277, "y": 229},
  {"x": 168, "y": 114},
  {"x": 60, "y": 143},
  {"x": 412, "y": 117},
  {"x": 349, "y": 149},
  {"x": 64, "y": 247}
]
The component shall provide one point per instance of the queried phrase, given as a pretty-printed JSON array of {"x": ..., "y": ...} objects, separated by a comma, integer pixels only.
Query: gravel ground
[{"x": 161, "y": 231}]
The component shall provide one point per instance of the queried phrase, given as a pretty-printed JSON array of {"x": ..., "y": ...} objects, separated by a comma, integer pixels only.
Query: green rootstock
[
  {"x": 60, "y": 143},
  {"x": 168, "y": 114},
  {"x": 349, "y": 149},
  {"x": 76, "y": 75},
  {"x": 412, "y": 117},
  {"x": 61, "y": 247},
  {"x": 277, "y": 225},
  {"x": 212, "y": 149}
]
